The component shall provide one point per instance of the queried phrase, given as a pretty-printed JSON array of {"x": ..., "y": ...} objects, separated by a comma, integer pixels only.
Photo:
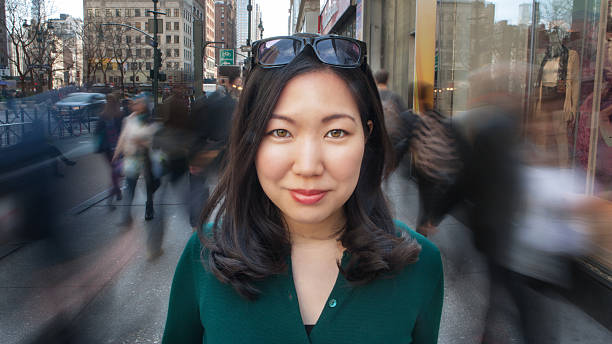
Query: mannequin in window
[{"x": 552, "y": 80}]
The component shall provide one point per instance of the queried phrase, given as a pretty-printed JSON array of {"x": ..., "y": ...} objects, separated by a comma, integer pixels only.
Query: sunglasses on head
[{"x": 338, "y": 51}]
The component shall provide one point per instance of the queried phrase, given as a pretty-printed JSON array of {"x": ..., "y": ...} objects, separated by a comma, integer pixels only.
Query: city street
[{"x": 117, "y": 295}]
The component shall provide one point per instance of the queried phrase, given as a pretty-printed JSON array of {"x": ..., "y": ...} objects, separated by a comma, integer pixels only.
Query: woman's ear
[{"x": 370, "y": 126}]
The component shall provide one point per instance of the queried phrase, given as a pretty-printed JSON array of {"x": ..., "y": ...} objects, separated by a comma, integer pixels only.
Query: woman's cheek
[
  {"x": 345, "y": 162},
  {"x": 272, "y": 161}
]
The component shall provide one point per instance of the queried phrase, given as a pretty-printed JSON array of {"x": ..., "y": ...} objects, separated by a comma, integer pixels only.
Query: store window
[{"x": 549, "y": 57}]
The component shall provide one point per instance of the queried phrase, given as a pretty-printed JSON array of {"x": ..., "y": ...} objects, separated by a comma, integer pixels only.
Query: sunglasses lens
[
  {"x": 339, "y": 51},
  {"x": 277, "y": 51}
]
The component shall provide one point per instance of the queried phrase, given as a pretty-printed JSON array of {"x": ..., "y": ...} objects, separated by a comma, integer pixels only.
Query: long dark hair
[{"x": 248, "y": 241}]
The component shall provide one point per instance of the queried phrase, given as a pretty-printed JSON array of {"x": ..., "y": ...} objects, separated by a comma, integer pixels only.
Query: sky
[{"x": 274, "y": 13}]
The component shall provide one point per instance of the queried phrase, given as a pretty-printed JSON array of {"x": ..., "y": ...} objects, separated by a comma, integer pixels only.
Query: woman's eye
[
  {"x": 336, "y": 133},
  {"x": 282, "y": 133}
]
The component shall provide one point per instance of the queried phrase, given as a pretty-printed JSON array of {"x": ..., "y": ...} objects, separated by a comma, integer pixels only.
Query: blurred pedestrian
[
  {"x": 134, "y": 145},
  {"x": 392, "y": 105},
  {"x": 437, "y": 159},
  {"x": 106, "y": 136},
  {"x": 303, "y": 247},
  {"x": 210, "y": 122}
]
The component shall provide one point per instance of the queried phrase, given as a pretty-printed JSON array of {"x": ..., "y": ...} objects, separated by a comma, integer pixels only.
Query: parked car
[{"x": 80, "y": 103}]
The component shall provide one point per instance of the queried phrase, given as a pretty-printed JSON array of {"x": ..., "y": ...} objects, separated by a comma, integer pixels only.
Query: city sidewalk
[{"x": 123, "y": 297}]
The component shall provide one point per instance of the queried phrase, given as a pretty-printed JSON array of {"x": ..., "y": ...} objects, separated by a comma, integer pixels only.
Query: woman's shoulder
[{"x": 429, "y": 257}]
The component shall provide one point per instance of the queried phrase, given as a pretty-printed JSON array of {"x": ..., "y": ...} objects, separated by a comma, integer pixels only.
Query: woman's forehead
[{"x": 319, "y": 93}]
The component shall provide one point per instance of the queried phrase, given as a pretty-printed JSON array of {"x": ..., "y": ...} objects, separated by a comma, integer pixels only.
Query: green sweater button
[{"x": 332, "y": 303}]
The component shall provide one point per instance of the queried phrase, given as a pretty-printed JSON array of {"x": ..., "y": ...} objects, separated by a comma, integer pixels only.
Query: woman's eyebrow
[
  {"x": 337, "y": 116},
  {"x": 283, "y": 118}
]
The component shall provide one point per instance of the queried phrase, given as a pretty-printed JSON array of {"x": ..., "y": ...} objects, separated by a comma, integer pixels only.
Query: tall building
[
  {"x": 304, "y": 16},
  {"x": 225, "y": 25},
  {"x": 117, "y": 52},
  {"x": 256, "y": 28},
  {"x": 242, "y": 23},
  {"x": 4, "y": 63},
  {"x": 210, "y": 68},
  {"x": 524, "y": 14}
]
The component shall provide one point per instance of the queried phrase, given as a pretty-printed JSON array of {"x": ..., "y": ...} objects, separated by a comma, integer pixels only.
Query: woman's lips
[{"x": 307, "y": 196}]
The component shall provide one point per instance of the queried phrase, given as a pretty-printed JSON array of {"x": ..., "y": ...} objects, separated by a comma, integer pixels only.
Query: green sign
[{"x": 226, "y": 57}]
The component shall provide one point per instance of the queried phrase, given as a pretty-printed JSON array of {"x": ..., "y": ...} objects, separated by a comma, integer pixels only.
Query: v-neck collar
[{"x": 334, "y": 301}]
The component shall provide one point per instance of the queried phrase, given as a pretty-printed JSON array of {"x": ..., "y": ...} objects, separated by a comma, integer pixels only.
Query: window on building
[
  {"x": 222, "y": 30},
  {"x": 90, "y": 12},
  {"x": 222, "y": 38},
  {"x": 138, "y": 52},
  {"x": 148, "y": 53},
  {"x": 147, "y": 14},
  {"x": 176, "y": 26},
  {"x": 177, "y": 39},
  {"x": 128, "y": 39},
  {"x": 169, "y": 65},
  {"x": 138, "y": 39},
  {"x": 176, "y": 65},
  {"x": 222, "y": 16},
  {"x": 169, "y": 52},
  {"x": 117, "y": 12},
  {"x": 222, "y": 23},
  {"x": 108, "y": 13},
  {"x": 176, "y": 53},
  {"x": 98, "y": 12},
  {"x": 168, "y": 39},
  {"x": 128, "y": 52},
  {"x": 128, "y": 12},
  {"x": 168, "y": 26},
  {"x": 176, "y": 12},
  {"x": 134, "y": 66},
  {"x": 148, "y": 65},
  {"x": 137, "y": 12}
]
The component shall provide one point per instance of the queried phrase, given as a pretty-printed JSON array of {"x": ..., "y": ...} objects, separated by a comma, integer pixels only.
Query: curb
[{"x": 91, "y": 202}]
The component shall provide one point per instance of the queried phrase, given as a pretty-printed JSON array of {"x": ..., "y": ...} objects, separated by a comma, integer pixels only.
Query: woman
[
  {"x": 134, "y": 144},
  {"x": 303, "y": 248},
  {"x": 106, "y": 137}
]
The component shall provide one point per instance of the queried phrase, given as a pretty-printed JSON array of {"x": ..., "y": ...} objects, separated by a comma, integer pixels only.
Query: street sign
[
  {"x": 160, "y": 26},
  {"x": 226, "y": 57}
]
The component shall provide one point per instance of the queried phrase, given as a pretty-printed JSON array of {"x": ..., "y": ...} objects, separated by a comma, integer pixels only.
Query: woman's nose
[{"x": 308, "y": 159}]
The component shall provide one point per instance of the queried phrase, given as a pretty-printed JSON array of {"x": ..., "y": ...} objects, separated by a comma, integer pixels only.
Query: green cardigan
[{"x": 402, "y": 309}]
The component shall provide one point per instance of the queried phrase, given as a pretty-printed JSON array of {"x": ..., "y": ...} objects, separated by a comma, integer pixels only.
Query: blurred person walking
[
  {"x": 392, "y": 105},
  {"x": 438, "y": 159},
  {"x": 210, "y": 121},
  {"x": 106, "y": 136},
  {"x": 134, "y": 145}
]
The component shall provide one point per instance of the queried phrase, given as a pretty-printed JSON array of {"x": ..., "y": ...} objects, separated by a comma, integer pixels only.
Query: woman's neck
[{"x": 306, "y": 233}]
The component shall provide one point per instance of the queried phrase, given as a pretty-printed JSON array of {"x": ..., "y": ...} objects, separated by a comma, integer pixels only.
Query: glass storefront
[{"x": 555, "y": 54}]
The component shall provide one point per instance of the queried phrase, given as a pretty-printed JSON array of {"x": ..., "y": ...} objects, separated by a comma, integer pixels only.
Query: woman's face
[{"x": 309, "y": 161}]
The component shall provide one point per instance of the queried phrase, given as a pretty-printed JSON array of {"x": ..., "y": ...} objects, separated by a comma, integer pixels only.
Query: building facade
[
  {"x": 225, "y": 25},
  {"x": 119, "y": 55},
  {"x": 68, "y": 64}
]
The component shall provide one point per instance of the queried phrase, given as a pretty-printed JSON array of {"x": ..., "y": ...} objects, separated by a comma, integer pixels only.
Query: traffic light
[
  {"x": 158, "y": 58},
  {"x": 162, "y": 76}
]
